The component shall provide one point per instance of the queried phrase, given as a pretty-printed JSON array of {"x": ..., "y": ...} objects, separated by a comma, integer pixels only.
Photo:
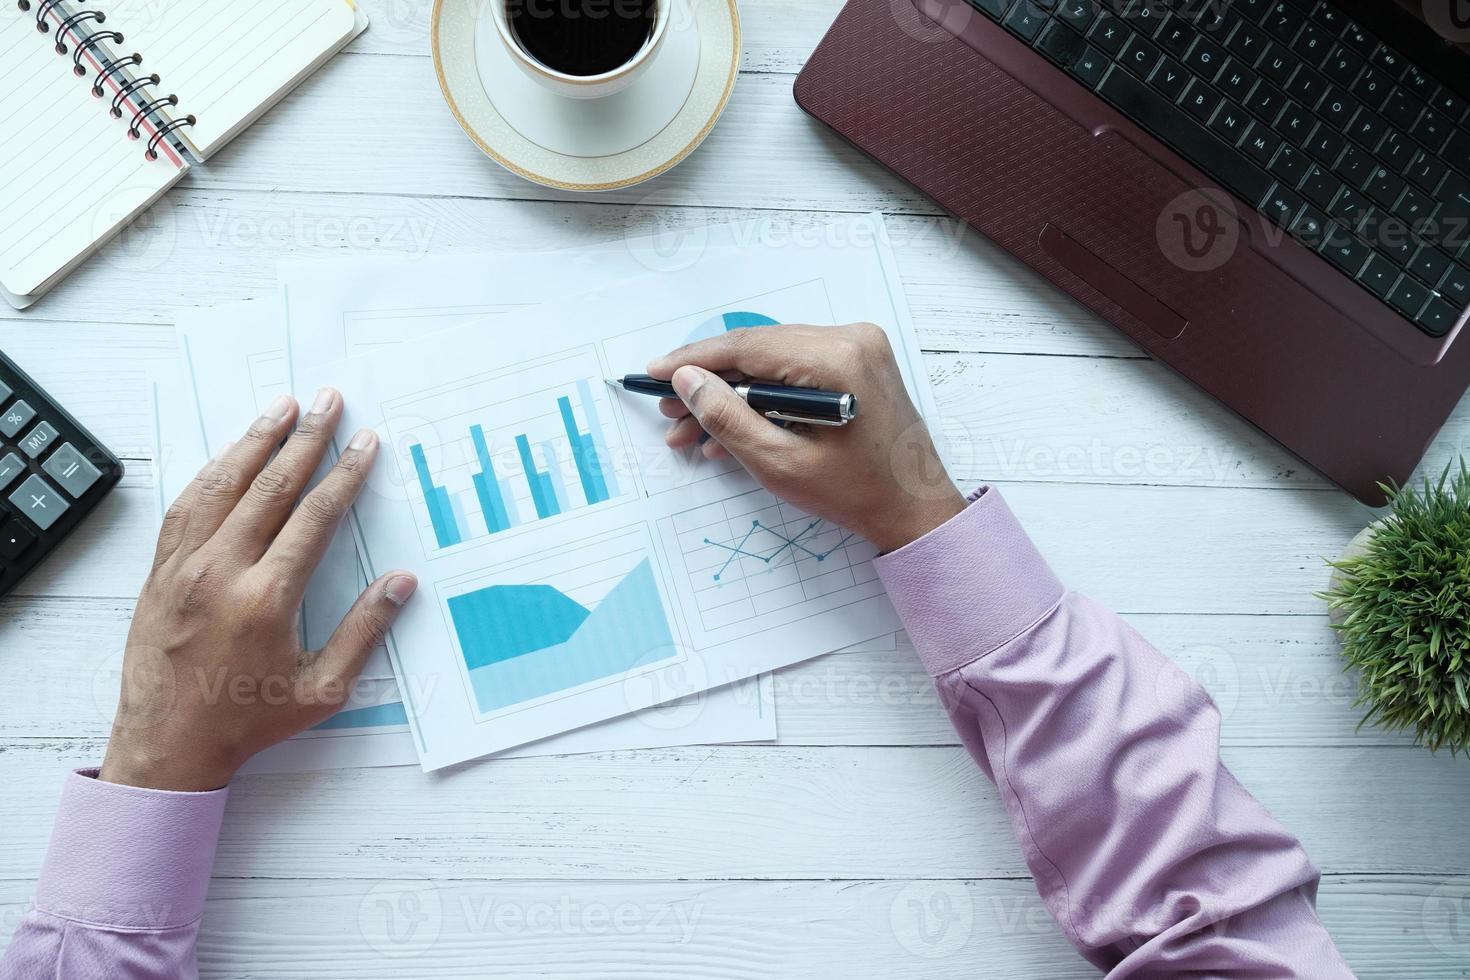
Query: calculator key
[
  {"x": 40, "y": 503},
  {"x": 16, "y": 417},
  {"x": 14, "y": 540},
  {"x": 11, "y": 467},
  {"x": 5, "y": 392},
  {"x": 72, "y": 470},
  {"x": 39, "y": 440}
]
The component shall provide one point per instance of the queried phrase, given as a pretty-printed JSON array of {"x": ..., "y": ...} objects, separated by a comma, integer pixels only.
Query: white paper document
[
  {"x": 233, "y": 362},
  {"x": 572, "y": 568}
]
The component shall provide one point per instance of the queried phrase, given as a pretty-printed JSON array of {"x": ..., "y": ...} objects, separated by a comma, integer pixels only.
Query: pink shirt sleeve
[
  {"x": 122, "y": 888},
  {"x": 1153, "y": 860}
]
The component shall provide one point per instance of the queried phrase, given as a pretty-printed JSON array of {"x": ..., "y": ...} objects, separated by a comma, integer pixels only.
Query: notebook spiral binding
[{"x": 118, "y": 71}]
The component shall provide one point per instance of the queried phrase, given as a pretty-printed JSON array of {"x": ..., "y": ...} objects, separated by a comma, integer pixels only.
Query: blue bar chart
[{"x": 484, "y": 461}]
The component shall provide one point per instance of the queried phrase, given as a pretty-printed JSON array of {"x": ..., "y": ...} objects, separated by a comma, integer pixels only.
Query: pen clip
[{"x": 782, "y": 416}]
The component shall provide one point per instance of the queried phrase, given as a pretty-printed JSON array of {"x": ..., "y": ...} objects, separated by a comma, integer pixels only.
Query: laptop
[{"x": 1270, "y": 196}]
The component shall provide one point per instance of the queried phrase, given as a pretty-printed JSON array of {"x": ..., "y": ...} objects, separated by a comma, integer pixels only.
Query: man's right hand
[{"x": 879, "y": 476}]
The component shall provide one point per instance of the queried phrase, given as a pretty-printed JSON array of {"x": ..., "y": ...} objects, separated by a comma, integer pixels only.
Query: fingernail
[
  {"x": 324, "y": 399},
  {"x": 400, "y": 589},
  {"x": 279, "y": 408},
  {"x": 363, "y": 439},
  {"x": 687, "y": 381}
]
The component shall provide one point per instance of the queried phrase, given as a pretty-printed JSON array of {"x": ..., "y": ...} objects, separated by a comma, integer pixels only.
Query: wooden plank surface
[{"x": 864, "y": 843}]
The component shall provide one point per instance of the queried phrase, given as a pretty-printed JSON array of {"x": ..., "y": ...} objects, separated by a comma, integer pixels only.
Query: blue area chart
[{"x": 522, "y": 642}]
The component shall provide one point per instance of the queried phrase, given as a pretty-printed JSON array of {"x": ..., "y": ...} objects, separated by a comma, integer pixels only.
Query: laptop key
[
  {"x": 1325, "y": 144},
  {"x": 1343, "y": 250},
  {"x": 1205, "y": 57},
  {"x": 1140, "y": 56},
  {"x": 1342, "y": 66},
  {"x": 1237, "y": 80},
  {"x": 1200, "y": 101},
  {"x": 1455, "y": 286},
  {"x": 1175, "y": 35},
  {"x": 1320, "y": 186},
  {"x": 1282, "y": 205},
  {"x": 1247, "y": 42},
  {"x": 1077, "y": 14},
  {"x": 1108, "y": 33},
  {"x": 1310, "y": 226},
  {"x": 1389, "y": 61},
  {"x": 1025, "y": 20},
  {"x": 1349, "y": 207},
  {"x": 1355, "y": 166},
  {"x": 1230, "y": 123},
  {"x": 1438, "y": 317},
  {"x": 1061, "y": 44},
  {"x": 1378, "y": 275},
  {"x": 1170, "y": 79},
  {"x": 1290, "y": 165},
  {"x": 1090, "y": 66},
  {"x": 1261, "y": 144},
  {"x": 1429, "y": 264},
  {"x": 1408, "y": 297},
  {"x": 1385, "y": 187}
]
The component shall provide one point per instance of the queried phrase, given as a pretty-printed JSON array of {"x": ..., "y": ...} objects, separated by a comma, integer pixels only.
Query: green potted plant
[{"x": 1400, "y": 602}]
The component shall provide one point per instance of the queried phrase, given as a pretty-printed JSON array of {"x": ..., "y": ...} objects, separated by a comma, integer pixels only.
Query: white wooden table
[{"x": 865, "y": 841}]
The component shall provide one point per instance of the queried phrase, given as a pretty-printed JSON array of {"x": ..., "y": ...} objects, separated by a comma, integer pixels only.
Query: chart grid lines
[{"x": 754, "y": 555}]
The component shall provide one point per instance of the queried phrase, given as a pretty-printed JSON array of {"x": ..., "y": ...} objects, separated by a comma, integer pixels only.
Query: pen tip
[{"x": 612, "y": 383}]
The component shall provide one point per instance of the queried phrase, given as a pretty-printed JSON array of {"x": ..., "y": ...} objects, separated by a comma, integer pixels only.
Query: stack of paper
[{"x": 583, "y": 588}]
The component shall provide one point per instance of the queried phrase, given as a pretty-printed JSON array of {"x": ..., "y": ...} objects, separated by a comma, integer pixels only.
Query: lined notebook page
[
  {"x": 228, "y": 60},
  {"x": 69, "y": 174}
]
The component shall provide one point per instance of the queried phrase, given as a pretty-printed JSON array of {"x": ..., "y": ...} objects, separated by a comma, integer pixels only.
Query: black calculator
[{"x": 53, "y": 473}]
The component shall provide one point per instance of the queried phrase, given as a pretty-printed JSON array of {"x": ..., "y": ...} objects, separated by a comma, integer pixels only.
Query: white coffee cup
[{"x": 582, "y": 86}]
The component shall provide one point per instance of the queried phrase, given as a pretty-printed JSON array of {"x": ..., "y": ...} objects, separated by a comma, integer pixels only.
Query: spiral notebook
[{"x": 105, "y": 105}]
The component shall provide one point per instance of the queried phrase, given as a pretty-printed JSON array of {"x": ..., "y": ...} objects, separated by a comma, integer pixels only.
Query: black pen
[{"x": 778, "y": 402}]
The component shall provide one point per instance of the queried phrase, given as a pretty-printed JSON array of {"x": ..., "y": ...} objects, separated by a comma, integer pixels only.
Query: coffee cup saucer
[{"x": 588, "y": 144}]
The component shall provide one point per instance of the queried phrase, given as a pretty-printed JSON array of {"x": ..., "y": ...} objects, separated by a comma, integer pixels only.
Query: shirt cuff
[
  {"x": 970, "y": 585},
  {"x": 123, "y": 857}
]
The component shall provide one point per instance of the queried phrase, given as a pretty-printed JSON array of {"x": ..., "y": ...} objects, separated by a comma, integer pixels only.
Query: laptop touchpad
[{"x": 1098, "y": 274}]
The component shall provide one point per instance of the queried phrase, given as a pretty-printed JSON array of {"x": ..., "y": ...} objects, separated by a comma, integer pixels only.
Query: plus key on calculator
[{"x": 53, "y": 473}]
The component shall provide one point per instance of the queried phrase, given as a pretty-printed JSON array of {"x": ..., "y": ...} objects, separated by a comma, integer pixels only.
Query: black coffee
[{"x": 581, "y": 37}]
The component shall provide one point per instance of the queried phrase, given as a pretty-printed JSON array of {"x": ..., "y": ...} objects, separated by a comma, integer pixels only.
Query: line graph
[
  {"x": 754, "y": 555},
  {"x": 738, "y": 550}
]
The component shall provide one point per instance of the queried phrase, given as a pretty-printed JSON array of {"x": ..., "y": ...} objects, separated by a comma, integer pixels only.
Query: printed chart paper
[
  {"x": 233, "y": 362},
  {"x": 573, "y": 568}
]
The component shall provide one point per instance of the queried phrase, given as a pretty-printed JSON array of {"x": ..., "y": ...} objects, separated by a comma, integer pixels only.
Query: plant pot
[{"x": 1353, "y": 549}]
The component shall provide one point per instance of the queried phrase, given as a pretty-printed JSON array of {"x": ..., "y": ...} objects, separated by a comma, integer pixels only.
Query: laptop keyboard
[{"x": 1330, "y": 133}]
